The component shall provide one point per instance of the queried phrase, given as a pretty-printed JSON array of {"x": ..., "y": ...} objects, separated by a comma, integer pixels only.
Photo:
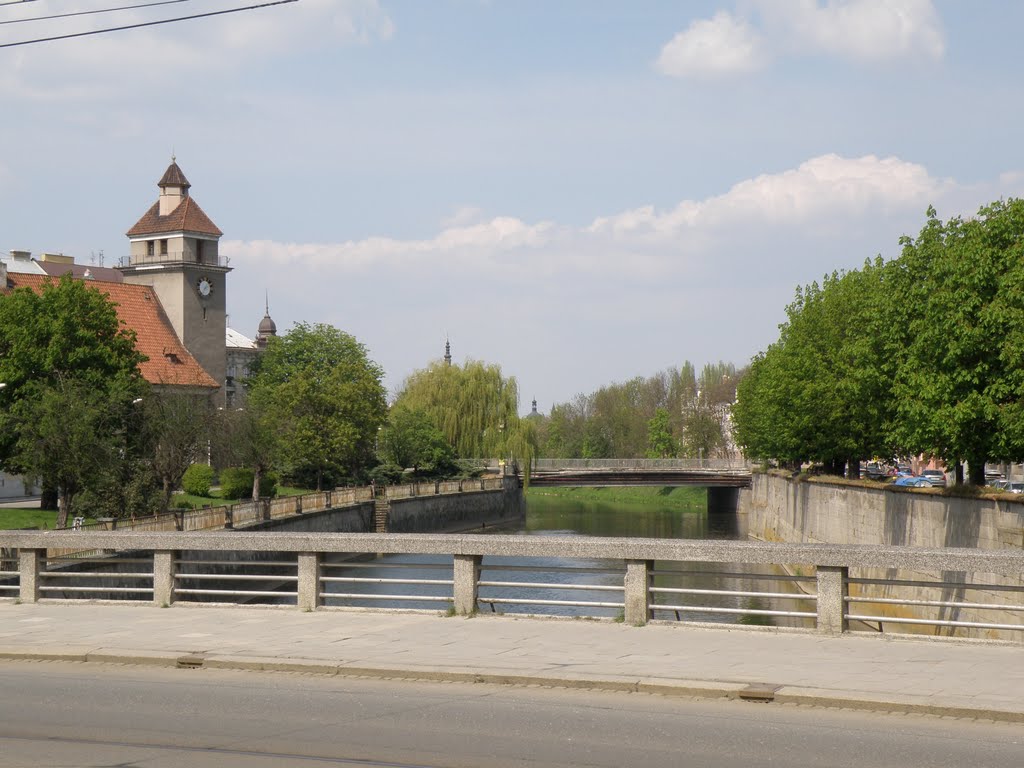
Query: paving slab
[{"x": 882, "y": 672}]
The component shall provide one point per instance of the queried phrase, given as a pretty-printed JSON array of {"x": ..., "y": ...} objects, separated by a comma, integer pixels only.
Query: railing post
[
  {"x": 298, "y": 505},
  {"x": 833, "y": 588},
  {"x": 163, "y": 577},
  {"x": 229, "y": 516},
  {"x": 28, "y": 573},
  {"x": 308, "y": 591},
  {"x": 637, "y": 592},
  {"x": 327, "y": 500},
  {"x": 466, "y": 590}
]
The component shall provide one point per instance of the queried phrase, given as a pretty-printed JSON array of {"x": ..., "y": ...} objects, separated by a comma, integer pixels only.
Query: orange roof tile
[
  {"x": 138, "y": 308},
  {"x": 187, "y": 217}
]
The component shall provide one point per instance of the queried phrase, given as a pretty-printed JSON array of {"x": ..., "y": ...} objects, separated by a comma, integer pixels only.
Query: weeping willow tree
[{"x": 475, "y": 407}]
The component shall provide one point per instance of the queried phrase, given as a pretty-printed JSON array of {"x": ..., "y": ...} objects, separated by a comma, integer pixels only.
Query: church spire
[{"x": 447, "y": 352}]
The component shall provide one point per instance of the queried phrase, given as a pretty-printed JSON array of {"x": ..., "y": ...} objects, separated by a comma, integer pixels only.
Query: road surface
[{"x": 60, "y": 714}]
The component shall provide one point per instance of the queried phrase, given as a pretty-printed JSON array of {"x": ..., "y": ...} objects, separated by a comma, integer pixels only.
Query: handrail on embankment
[{"x": 165, "y": 567}]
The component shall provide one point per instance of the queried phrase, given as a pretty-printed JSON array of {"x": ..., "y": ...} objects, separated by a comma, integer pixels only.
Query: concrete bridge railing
[
  {"x": 301, "y": 570},
  {"x": 554, "y": 465}
]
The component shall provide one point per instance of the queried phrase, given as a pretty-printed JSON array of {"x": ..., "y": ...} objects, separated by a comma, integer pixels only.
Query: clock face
[{"x": 204, "y": 287}]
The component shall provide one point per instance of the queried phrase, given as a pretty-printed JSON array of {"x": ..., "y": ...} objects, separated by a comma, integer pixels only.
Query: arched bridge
[{"x": 709, "y": 473}]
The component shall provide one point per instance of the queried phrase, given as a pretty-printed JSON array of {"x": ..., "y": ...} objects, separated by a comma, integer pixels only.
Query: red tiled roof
[
  {"x": 138, "y": 308},
  {"x": 187, "y": 217}
]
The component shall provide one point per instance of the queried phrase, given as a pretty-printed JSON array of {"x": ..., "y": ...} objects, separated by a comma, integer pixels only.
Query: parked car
[
  {"x": 914, "y": 482},
  {"x": 1015, "y": 487},
  {"x": 935, "y": 476}
]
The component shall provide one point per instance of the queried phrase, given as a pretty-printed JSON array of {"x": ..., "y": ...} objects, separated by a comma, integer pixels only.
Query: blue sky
[{"x": 581, "y": 192}]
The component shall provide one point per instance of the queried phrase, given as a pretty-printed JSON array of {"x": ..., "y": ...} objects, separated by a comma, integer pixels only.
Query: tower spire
[{"x": 447, "y": 352}]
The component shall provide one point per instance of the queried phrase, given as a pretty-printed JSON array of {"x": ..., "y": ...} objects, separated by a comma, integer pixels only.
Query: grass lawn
[
  {"x": 13, "y": 519},
  {"x": 662, "y": 497}
]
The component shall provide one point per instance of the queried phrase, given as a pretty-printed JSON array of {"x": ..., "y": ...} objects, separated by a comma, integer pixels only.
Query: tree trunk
[
  {"x": 977, "y": 472},
  {"x": 165, "y": 498},
  {"x": 63, "y": 508},
  {"x": 49, "y": 497},
  {"x": 853, "y": 469},
  {"x": 257, "y": 474},
  {"x": 319, "y": 480},
  {"x": 959, "y": 473}
]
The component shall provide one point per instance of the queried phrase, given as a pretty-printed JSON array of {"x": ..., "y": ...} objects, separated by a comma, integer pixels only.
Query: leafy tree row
[
  {"x": 920, "y": 355},
  {"x": 673, "y": 413}
]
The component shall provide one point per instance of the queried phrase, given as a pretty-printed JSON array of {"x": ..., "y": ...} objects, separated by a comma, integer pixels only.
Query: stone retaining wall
[{"x": 779, "y": 508}]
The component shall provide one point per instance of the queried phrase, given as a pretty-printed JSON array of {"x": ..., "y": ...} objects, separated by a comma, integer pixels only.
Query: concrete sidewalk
[{"x": 885, "y": 673}]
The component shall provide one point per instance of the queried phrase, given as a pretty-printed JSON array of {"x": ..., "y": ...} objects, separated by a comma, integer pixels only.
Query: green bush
[
  {"x": 236, "y": 483},
  {"x": 197, "y": 480},
  {"x": 387, "y": 474}
]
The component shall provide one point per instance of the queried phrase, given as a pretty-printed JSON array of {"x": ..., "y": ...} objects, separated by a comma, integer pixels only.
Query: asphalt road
[{"x": 60, "y": 714}]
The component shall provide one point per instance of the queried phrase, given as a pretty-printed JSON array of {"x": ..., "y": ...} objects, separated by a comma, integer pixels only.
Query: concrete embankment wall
[
  {"x": 455, "y": 512},
  {"x": 357, "y": 518},
  {"x": 779, "y": 508}
]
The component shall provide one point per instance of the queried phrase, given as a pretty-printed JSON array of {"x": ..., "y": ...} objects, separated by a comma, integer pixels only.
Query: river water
[{"x": 558, "y": 516}]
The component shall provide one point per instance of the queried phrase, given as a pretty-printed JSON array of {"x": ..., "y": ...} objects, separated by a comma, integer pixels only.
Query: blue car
[{"x": 913, "y": 482}]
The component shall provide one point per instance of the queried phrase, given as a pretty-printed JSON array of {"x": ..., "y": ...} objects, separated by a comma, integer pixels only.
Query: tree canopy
[
  {"x": 920, "y": 355},
  {"x": 324, "y": 398},
  {"x": 474, "y": 406},
  {"x": 71, "y": 373}
]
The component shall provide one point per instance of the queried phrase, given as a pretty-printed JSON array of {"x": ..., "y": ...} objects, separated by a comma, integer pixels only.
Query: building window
[
  {"x": 149, "y": 247},
  {"x": 163, "y": 247},
  {"x": 199, "y": 251}
]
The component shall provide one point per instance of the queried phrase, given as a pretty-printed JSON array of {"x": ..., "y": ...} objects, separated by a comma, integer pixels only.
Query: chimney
[{"x": 21, "y": 255}]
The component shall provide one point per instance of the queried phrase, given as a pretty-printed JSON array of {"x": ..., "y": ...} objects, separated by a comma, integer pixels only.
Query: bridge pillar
[
  {"x": 308, "y": 590},
  {"x": 637, "y": 592},
  {"x": 466, "y": 589},
  {"x": 28, "y": 573},
  {"x": 833, "y": 587},
  {"x": 163, "y": 577}
]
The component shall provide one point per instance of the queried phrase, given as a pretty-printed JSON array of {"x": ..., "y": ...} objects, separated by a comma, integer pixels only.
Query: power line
[
  {"x": 89, "y": 13},
  {"x": 16, "y": 2},
  {"x": 144, "y": 24}
]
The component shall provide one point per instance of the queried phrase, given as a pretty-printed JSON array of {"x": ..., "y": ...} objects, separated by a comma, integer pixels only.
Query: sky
[{"x": 580, "y": 191}]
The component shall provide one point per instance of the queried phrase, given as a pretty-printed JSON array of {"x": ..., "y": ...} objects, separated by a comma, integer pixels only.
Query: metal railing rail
[{"x": 185, "y": 565}]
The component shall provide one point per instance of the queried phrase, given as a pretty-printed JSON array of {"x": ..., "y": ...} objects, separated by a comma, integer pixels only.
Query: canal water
[{"x": 378, "y": 580}]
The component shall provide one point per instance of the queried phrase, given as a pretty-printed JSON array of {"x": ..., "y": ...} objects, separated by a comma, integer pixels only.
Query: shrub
[
  {"x": 236, "y": 483},
  {"x": 386, "y": 474},
  {"x": 197, "y": 480}
]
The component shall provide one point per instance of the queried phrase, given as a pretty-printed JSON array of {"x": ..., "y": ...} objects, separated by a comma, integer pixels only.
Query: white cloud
[
  {"x": 824, "y": 194},
  {"x": 823, "y": 186},
  {"x": 865, "y": 30},
  {"x": 861, "y": 30},
  {"x": 722, "y": 45}
]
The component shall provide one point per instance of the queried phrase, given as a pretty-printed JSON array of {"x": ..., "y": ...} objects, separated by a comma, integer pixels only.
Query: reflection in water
[{"x": 594, "y": 586}]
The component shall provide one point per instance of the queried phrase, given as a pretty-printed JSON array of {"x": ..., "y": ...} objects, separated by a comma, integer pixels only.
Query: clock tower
[{"x": 174, "y": 250}]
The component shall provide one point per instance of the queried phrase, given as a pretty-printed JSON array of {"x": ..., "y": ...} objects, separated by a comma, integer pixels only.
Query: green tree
[
  {"x": 475, "y": 407},
  {"x": 178, "y": 429},
  {"x": 410, "y": 440},
  {"x": 959, "y": 375},
  {"x": 71, "y": 372},
  {"x": 821, "y": 392},
  {"x": 660, "y": 443},
  {"x": 324, "y": 397}
]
